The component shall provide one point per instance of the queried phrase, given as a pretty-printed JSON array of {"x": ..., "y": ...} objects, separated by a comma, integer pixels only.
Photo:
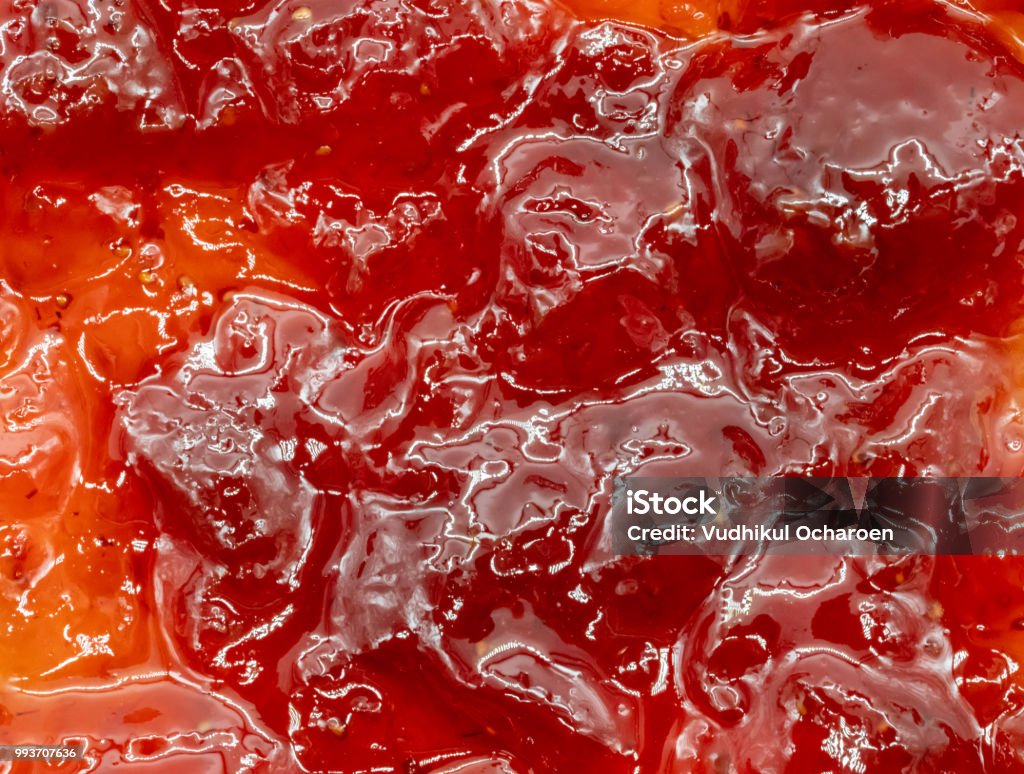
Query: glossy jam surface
[{"x": 325, "y": 328}]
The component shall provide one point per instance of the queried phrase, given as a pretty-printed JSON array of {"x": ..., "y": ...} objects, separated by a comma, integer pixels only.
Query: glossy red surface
[{"x": 326, "y": 327}]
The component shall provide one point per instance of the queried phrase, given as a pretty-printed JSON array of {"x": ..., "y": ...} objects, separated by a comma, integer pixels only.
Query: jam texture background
[{"x": 325, "y": 327}]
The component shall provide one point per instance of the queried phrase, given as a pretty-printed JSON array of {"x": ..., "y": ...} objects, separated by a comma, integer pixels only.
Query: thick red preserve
[{"x": 326, "y": 325}]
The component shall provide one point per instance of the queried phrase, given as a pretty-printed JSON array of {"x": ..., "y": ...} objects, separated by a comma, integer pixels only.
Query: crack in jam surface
[{"x": 325, "y": 328}]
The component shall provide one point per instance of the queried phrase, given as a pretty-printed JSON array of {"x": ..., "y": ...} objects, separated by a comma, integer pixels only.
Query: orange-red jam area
[{"x": 326, "y": 326}]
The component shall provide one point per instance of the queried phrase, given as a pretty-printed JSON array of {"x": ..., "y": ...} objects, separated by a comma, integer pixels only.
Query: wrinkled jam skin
[{"x": 325, "y": 327}]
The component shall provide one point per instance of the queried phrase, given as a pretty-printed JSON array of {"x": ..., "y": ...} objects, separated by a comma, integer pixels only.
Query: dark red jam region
[{"x": 382, "y": 296}]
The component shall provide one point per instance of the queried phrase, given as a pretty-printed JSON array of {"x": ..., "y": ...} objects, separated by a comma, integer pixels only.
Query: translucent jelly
[{"x": 325, "y": 328}]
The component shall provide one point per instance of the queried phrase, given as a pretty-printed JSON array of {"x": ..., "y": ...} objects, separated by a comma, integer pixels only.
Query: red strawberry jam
[{"x": 326, "y": 326}]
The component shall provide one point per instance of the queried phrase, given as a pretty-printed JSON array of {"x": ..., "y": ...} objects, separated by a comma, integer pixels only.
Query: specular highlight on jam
[{"x": 328, "y": 326}]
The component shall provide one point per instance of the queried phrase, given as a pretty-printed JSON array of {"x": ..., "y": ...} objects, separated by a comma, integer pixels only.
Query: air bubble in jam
[{"x": 325, "y": 329}]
